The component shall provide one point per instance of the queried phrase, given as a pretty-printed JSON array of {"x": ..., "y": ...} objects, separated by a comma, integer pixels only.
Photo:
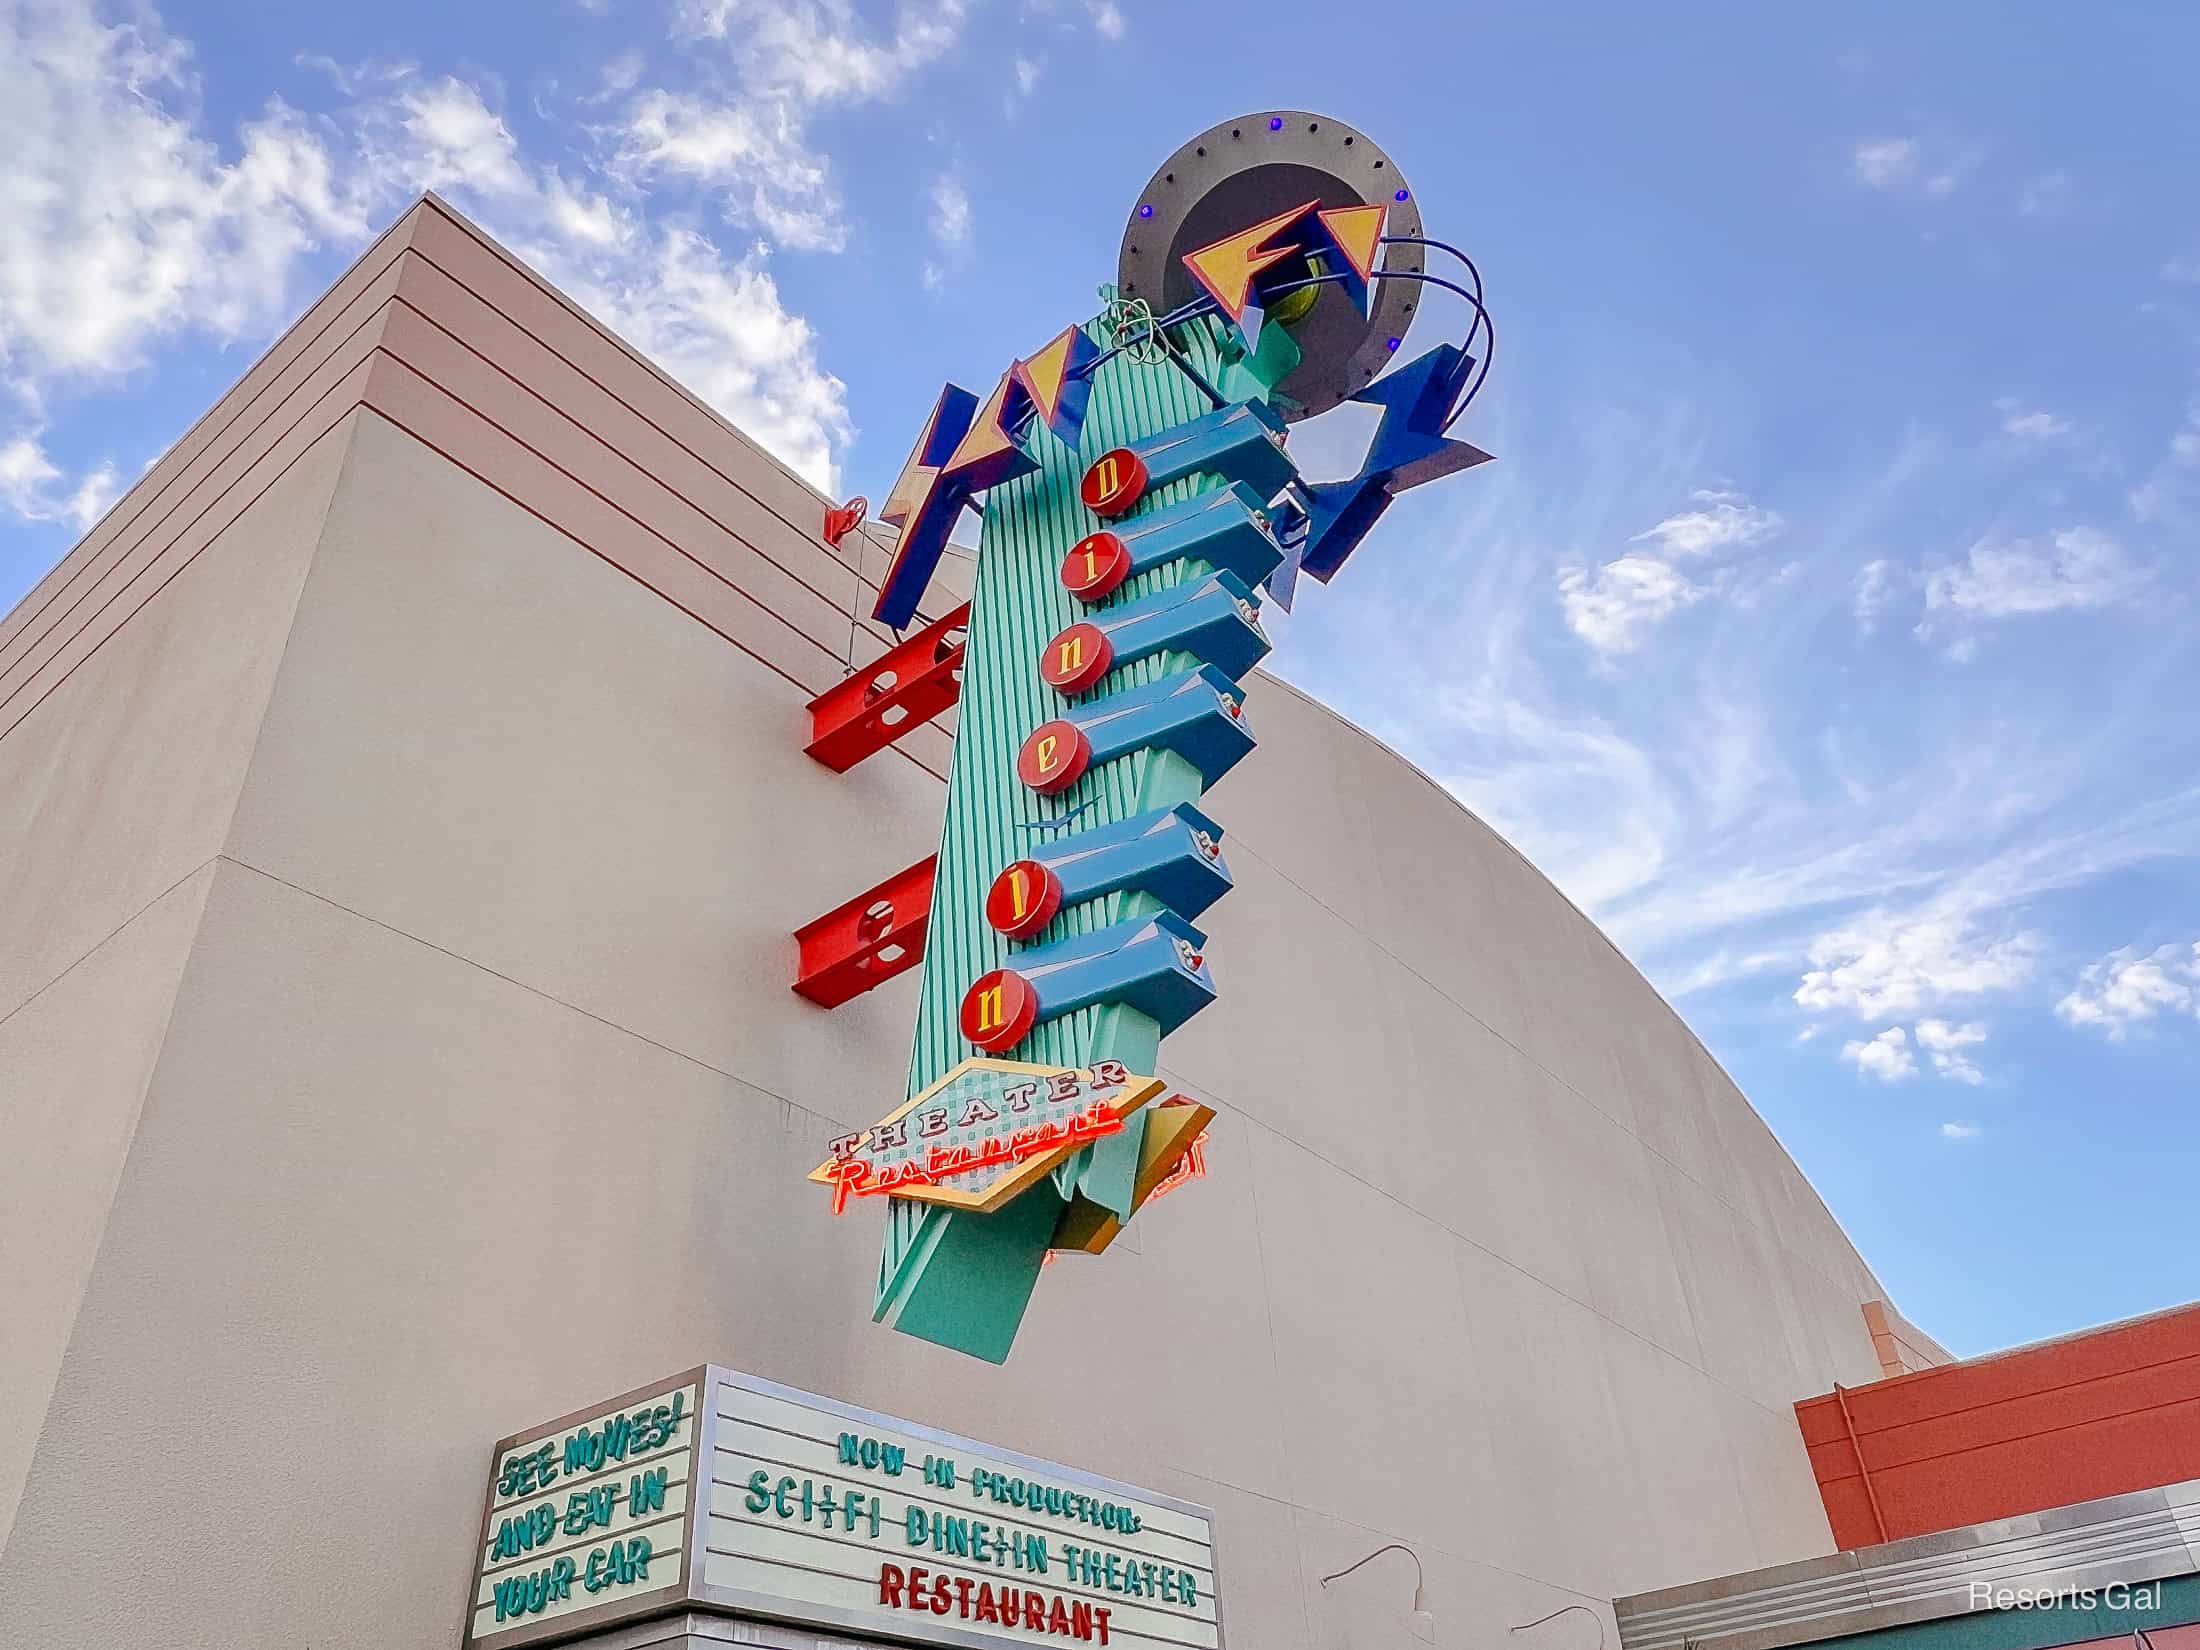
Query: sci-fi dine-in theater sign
[
  {"x": 718, "y": 1491},
  {"x": 1139, "y": 505}
]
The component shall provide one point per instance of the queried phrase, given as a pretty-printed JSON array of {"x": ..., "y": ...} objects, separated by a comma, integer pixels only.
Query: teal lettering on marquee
[
  {"x": 619, "y": 1565},
  {"x": 525, "y": 1595},
  {"x": 845, "y": 1508},
  {"x": 875, "y": 1455},
  {"x": 522, "y": 1532}
]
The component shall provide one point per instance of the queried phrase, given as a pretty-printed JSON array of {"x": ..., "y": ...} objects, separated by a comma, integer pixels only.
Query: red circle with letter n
[
  {"x": 998, "y": 1010},
  {"x": 1115, "y": 482},
  {"x": 1095, "y": 565},
  {"x": 1023, "y": 899},
  {"x": 1054, "y": 755},
  {"x": 1077, "y": 658}
]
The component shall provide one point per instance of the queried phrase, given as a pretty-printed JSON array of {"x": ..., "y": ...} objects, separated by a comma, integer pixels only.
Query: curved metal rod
[
  {"x": 1483, "y": 321},
  {"x": 1561, "y": 1610},
  {"x": 1420, "y": 1577},
  {"x": 1482, "y": 324}
]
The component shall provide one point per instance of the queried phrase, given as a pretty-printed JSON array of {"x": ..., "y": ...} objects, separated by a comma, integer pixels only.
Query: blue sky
[{"x": 1825, "y": 627}]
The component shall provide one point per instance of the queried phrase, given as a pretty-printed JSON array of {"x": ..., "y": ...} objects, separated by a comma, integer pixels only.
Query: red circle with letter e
[
  {"x": 1115, "y": 482},
  {"x": 1054, "y": 755},
  {"x": 1077, "y": 658},
  {"x": 998, "y": 1010},
  {"x": 1023, "y": 899},
  {"x": 1095, "y": 565}
]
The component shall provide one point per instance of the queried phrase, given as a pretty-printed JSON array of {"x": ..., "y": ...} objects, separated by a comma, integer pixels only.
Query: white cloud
[
  {"x": 33, "y": 487},
  {"x": 757, "y": 161},
  {"x": 2166, "y": 494},
  {"x": 1960, "y": 1131},
  {"x": 751, "y": 147},
  {"x": 1873, "y": 593},
  {"x": 25, "y": 473},
  {"x": 1726, "y": 520},
  {"x": 950, "y": 212},
  {"x": 1891, "y": 1056},
  {"x": 1886, "y": 1056},
  {"x": 2032, "y": 425},
  {"x": 1944, "y": 1044},
  {"x": 2045, "y": 195},
  {"x": 720, "y": 327},
  {"x": 123, "y": 223},
  {"x": 451, "y": 138},
  {"x": 127, "y": 223},
  {"x": 1107, "y": 18},
  {"x": 818, "y": 51},
  {"x": 624, "y": 72},
  {"x": 2125, "y": 989},
  {"x": 1028, "y": 70},
  {"x": 2078, "y": 568},
  {"x": 1889, "y": 963},
  {"x": 1617, "y": 606},
  {"x": 1885, "y": 162},
  {"x": 1906, "y": 165}
]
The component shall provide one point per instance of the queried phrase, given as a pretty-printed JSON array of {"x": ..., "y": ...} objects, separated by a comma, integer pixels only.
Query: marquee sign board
[
  {"x": 984, "y": 1132},
  {"x": 587, "y": 1515},
  {"x": 786, "y": 1506}
]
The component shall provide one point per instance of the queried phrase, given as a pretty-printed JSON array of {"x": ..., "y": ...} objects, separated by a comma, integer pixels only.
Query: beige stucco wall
[
  {"x": 482, "y": 1095},
  {"x": 115, "y": 797}
]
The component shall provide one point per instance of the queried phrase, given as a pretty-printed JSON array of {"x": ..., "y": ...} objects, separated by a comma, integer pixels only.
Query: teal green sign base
[{"x": 958, "y": 1278}]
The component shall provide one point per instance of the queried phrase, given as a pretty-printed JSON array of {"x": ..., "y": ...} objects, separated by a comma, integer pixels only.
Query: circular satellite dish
[{"x": 1243, "y": 171}]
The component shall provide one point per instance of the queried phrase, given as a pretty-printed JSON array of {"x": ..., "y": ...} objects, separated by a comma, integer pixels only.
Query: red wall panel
[{"x": 2103, "y": 1413}]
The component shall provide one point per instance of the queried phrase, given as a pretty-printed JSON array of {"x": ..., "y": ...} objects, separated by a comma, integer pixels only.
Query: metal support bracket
[
  {"x": 903, "y": 688},
  {"x": 867, "y": 941}
]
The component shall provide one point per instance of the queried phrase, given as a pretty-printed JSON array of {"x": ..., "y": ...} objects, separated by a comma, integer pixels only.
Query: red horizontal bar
[
  {"x": 903, "y": 688},
  {"x": 869, "y": 940}
]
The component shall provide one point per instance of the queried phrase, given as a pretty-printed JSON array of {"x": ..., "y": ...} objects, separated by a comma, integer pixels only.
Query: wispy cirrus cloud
[
  {"x": 2029, "y": 424},
  {"x": 2079, "y": 567},
  {"x": 1914, "y": 165},
  {"x": 1617, "y": 605}
]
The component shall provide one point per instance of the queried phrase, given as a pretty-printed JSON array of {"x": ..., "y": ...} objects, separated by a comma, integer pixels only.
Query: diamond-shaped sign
[{"x": 984, "y": 1132}]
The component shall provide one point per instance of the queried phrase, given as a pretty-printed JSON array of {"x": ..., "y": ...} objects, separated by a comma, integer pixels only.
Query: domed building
[{"x": 409, "y": 821}]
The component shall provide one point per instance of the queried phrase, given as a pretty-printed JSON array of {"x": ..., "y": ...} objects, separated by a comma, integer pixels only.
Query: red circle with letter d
[
  {"x": 1116, "y": 481},
  {"x": 1095, "y": 566},
  {"x": 1054, "y": 755},
  {"x": 999, "y": 1009},
  {"x": 1023, "y": 899}
]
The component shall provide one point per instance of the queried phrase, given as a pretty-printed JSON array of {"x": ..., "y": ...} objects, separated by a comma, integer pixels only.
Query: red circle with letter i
[
  {"x": 999, "y": 1009},
  {"x": 1023, "y": 899},
  {"x": 1054, "y": 755},
  {"x": 1095, "y": 565},
  {"x": 1115, "y": 482},
  {"x": 1077, "y": 658}
]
